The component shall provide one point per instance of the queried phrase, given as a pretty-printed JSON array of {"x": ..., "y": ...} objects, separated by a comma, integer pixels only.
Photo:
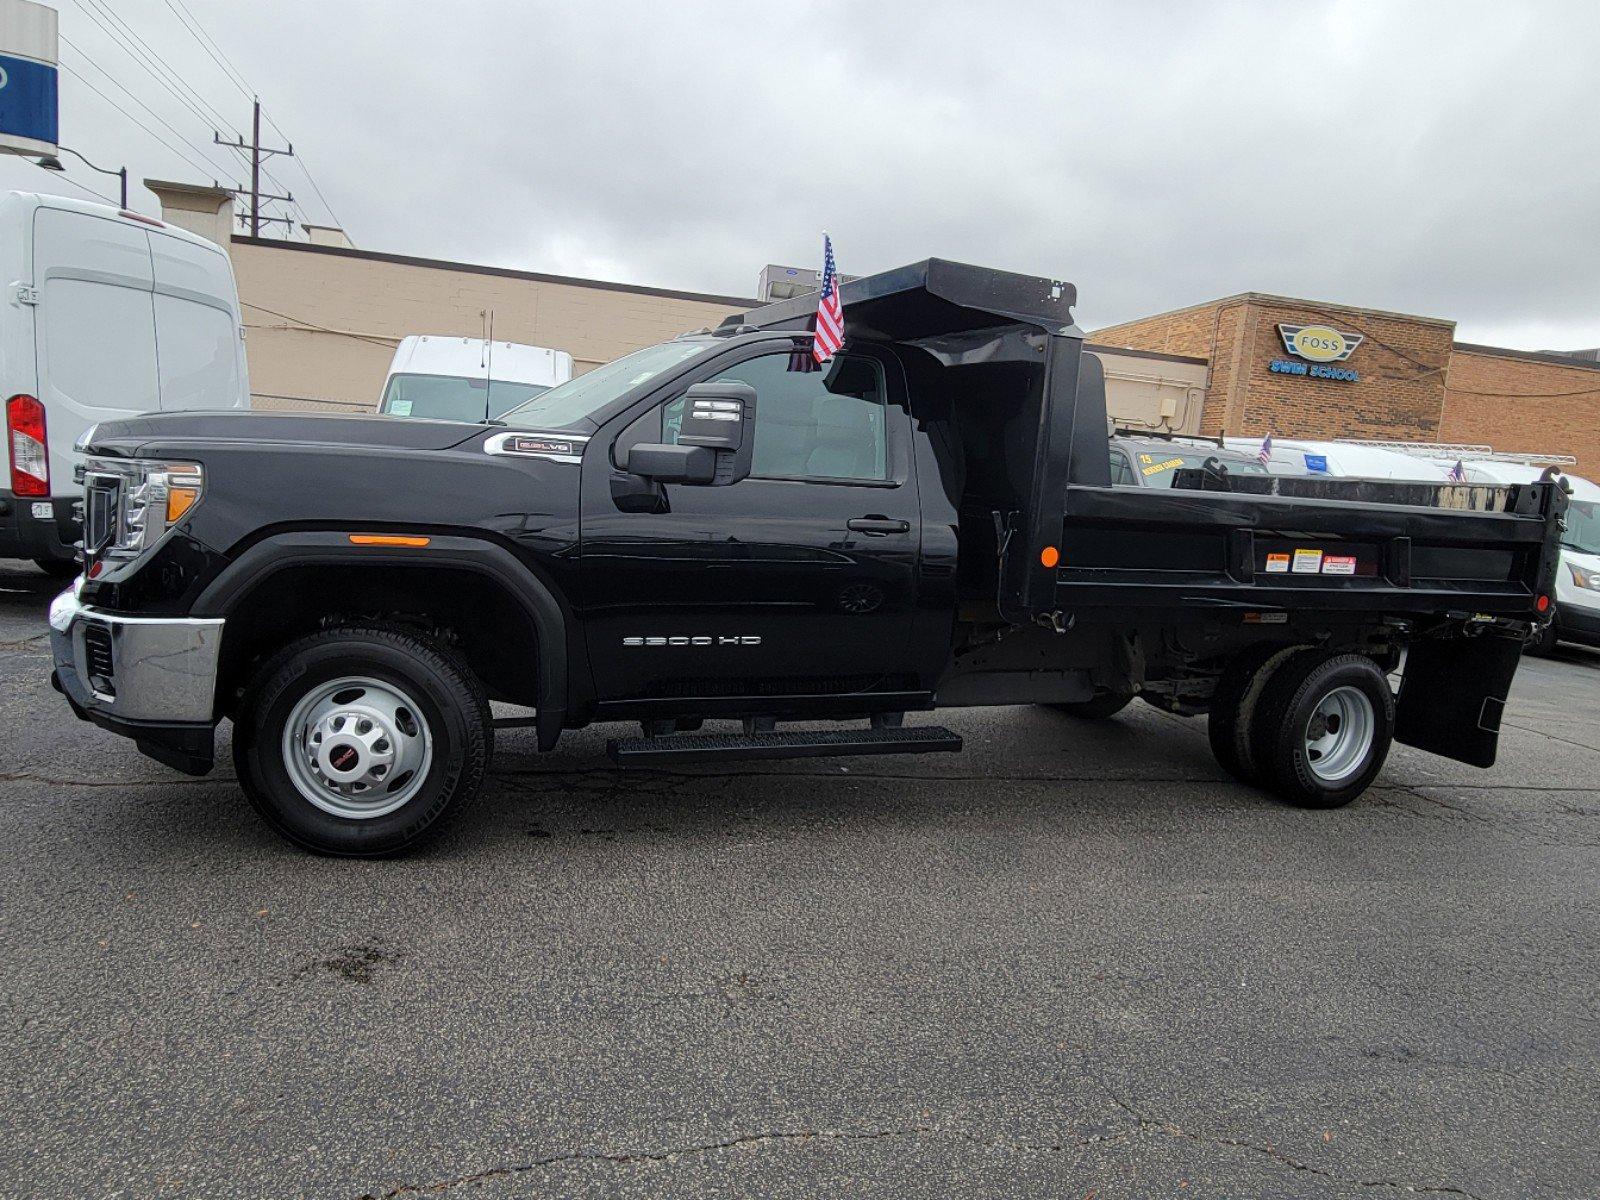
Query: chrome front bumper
[{"x": 135, "y": 669}]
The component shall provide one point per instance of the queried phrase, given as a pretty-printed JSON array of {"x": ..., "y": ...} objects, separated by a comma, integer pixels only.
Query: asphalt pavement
[{"x": 1074, "y": 961}]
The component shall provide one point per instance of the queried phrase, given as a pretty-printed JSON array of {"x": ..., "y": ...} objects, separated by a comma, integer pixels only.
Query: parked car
[
  {"x": 713, "y": 528},
  {"x": 1154, "y": 461},
  {"x": 107, "y": 314},
  {"x": 467, "y": 379}
]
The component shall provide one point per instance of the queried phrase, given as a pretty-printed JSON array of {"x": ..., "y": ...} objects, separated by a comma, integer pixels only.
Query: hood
[{"x": 139, "y": 435}]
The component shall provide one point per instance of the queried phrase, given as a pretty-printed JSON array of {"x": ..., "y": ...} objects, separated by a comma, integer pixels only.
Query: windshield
[
  {"x": 453, "y": 398},
  {"x": 1156, "y": 467},
  {"x": 576, "y": 399},
  {"x": 1583, "y": 527}
]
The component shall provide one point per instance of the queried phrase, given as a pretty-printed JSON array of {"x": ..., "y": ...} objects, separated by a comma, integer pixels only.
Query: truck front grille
[{"x": 98, "y": 660}]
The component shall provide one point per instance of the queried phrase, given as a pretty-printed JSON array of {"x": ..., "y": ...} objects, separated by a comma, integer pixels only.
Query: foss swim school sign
[{"x": 1321, "y": 346}]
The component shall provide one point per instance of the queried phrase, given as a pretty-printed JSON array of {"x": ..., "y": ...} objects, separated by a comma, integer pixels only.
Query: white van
[
  {"x": 1577, "y": 616},
  {"x": 1298, "y": 456},
  {"x": 468, "y": 379},
  {"x": 106, "y": 314}
]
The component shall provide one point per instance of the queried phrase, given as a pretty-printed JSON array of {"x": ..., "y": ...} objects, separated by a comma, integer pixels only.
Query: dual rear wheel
[{"x": 1312, "y": 726}]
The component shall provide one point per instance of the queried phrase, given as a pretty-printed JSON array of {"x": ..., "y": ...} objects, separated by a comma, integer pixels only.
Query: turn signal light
[
  {"x": 1049, "y": 556},
  {"x": 179, "y": 501},
  {"x": 386, "y": 539}
]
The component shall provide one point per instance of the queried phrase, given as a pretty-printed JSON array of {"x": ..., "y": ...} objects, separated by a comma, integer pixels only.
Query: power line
[
  {"x": 123, "y": 110},
  {"x": 148, "y": 61},
  {"x": 209, "y": 165},
  {"x": 209, "y": 45}
]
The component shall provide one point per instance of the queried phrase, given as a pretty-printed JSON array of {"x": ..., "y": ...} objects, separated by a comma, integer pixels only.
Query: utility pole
[{"x": 258, "y": 153}]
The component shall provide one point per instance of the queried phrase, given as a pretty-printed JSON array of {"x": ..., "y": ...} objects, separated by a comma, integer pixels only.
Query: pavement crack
[
  {"x": 1151, "y": 1123},
  {"x": 1552, "y": 736},
  {"x": 743, "y": 1141},
  {"x": 56, "y": 781}
]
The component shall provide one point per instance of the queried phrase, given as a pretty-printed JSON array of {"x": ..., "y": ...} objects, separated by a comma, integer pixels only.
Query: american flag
[
  {"x": 830, "y": 313},
  {"x": 1264, "y": 455},
  {"x": 1458, "y": 473}
]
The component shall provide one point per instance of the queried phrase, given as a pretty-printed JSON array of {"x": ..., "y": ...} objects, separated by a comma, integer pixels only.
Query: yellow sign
[{"x": 1318, "y": 343}]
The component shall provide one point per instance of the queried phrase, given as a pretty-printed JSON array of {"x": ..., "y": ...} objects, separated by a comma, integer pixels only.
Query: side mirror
[
  {"x": 672, "y": 464},
  {"x": 716, "y": 439},
  {"x": 721, "y": 418}
]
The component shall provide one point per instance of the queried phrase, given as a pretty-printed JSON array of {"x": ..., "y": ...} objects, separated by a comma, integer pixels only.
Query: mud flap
[{"x": 1453, "y": 694}]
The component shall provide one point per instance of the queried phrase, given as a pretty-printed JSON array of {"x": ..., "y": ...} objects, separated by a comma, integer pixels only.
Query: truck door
[{"x": 800, "y": 580}]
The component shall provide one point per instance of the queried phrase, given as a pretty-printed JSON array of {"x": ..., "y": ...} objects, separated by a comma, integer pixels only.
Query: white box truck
[{"x": 106, "y": 314}]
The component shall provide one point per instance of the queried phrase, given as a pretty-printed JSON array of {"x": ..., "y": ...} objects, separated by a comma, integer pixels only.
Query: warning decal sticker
[
  {"x": 1307, "y": 562},
  {"x": 1278, "y": 564},
  {"x": 1339, "y": 564}
]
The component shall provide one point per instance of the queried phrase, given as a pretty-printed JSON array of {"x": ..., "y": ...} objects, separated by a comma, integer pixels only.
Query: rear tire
[
  {"x": 1322, "y": 728},
  {"x": 1233, "y": 707},
  {"x": 1105, "y": 704},
  {"x": 362, "y": 742}
]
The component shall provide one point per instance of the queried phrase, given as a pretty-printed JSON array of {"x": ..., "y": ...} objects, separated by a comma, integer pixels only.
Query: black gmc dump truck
[{"x": 718, "y": 529}]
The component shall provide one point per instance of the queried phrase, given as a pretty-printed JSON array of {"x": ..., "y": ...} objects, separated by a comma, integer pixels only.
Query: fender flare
[{"x": 281, "y": 551}]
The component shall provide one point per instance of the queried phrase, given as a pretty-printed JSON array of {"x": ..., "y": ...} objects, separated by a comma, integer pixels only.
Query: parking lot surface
[{"x": 1075, "y": 960}]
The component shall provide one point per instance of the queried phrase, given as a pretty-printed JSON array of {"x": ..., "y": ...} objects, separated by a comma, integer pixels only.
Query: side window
[
  {"x": 811, "y": 423},
  {"x": 1121, "y": 473}
]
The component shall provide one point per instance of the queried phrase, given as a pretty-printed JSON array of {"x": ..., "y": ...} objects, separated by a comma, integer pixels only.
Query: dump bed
[{"x": 1311, "y": 544}]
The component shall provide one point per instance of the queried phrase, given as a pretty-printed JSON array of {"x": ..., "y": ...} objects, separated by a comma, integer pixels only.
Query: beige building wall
[
  {"x": 322, "y": 322},
  {"x": 1146, "y": 390}
]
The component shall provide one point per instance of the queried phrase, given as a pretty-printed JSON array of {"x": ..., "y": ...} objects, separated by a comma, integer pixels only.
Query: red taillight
[
  {"x": 30, "y": 452},
  {"x": 1542, "y": 603}
]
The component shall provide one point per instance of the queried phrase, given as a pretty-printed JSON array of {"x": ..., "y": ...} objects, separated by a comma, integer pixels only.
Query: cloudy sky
[{"x": 1430, "y": 158}]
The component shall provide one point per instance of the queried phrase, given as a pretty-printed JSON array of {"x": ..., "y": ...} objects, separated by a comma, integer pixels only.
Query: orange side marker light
[
  {"x": 387, "y": 539},
  {"x": 1049, "y": 556}
]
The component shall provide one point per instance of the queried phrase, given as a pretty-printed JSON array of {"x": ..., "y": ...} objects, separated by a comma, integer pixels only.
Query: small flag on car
[
  {"x": 829, "y": 336},
  {"x": 1458, "y": 473},
  {"x": 1264, "y": 455}
]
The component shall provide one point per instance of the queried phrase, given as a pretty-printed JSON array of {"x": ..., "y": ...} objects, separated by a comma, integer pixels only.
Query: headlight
[
  {"x": 1584, "y": 578},
  {"x": 128, "y": 503}
]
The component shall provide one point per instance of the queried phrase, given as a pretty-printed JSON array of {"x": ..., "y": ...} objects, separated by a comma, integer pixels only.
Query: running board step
[{"x": 832, "y": 743}]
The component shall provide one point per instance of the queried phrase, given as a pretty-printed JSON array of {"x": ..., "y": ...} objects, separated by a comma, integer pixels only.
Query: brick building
[{"x": 1309, "y": 369}]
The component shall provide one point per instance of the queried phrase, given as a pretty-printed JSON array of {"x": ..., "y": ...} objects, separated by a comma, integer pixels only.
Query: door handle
[{"x": 877, "y": 526}]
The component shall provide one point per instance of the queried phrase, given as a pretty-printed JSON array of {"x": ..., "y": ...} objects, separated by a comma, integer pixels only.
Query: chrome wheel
[
  {"x": 1339, "y": 736},
  {"x": 357, "y": 747}
]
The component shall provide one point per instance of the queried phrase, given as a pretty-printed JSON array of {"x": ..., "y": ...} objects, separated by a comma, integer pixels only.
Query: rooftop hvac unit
[{"x": 784, "y": 283}]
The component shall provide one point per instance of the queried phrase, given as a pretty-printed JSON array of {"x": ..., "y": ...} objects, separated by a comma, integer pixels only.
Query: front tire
[
  {"x": 1322, "y": 728},
  {"x": 362, "y": 742}
]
